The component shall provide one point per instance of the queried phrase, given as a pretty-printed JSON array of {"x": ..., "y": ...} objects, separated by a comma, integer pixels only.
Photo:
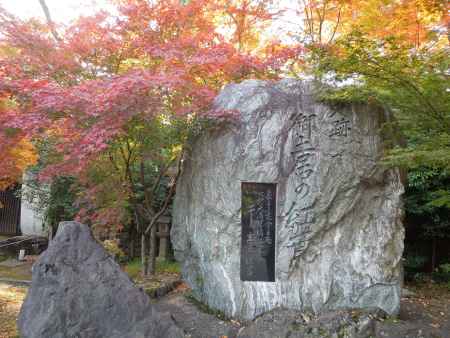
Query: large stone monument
[{"x": 290, "y": 207}]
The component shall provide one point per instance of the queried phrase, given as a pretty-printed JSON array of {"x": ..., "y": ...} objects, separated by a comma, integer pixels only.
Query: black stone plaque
[{"x": 258, "y": 231}]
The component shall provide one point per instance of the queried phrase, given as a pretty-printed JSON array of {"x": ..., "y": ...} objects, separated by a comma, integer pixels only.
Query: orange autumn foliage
[
  {"x": 17, "y": 152},
  {"x": 411, "y": 21}
]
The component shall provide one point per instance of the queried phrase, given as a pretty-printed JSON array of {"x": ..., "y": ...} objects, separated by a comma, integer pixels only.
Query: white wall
[{"x": 31, "y": 220}]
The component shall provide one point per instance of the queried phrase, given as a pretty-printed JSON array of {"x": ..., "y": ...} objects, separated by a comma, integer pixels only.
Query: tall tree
[
  {"x": 396, "y": 54},
  {"x": 17, "y": 151},
  {"x": 123, "y": 94}
]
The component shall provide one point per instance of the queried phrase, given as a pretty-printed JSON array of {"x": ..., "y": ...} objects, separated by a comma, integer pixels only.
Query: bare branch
[
  {"x": 336, "y": 26},
  {"x": 169, "y": 195},
  {"x": 113, "y": 162},
  {"x": 147, "y": 197},
  {"x": 126, "y": 159},
  {"x": 162, "y": 172},
  {"x": 50, "y": 23}
]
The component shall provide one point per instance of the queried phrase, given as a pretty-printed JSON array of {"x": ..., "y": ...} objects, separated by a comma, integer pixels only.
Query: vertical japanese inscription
[
  {"x": 301, "y": 214},
  {"x": 258, "y": 232},
  {"x": 341, "y": 127}
]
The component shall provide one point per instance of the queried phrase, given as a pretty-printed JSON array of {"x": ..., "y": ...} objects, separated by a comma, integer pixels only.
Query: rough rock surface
[
  {"x": 339, "y": 236},
  {"x": 283, "y": 323},
  {"x": 194, "y": 320},
  {"x": 78, "y": 290}
]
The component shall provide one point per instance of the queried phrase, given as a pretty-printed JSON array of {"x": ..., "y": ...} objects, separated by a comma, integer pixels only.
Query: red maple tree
[{"x": 92, "y": 86}]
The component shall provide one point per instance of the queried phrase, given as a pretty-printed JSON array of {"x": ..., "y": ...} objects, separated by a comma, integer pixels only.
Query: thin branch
[
  {"x": 145, "y": 214},
  {"x": 147, "y": 196},
  {"x": 308, "y": 20},
  {"x": 50, "y": 23},
  {"x": 398, "y": 77},
  {"x": 321, "y": 16},
  {"x": 126, "y": 160},
  {"x": 338, "y": 21},
  {"x": 162, "y": 172},
  {"x": 136, "y": 219},
  {"x": 169, "y": 195},
  {"x": 113, "y": 161}
]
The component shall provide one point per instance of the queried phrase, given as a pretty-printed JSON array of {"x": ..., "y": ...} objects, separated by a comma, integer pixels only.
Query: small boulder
[{"x": 78, "y": 290}]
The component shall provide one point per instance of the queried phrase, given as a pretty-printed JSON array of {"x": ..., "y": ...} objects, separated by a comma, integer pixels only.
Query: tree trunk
[
  {"x": 50, "y": 233},
  {"x": 132, "y": 245},
  {"x": 152, "y": 252},
  {"x": 433, "y": 254},
  {"x": 143, "y": 254},
  {"x": 134, "y": 238}
]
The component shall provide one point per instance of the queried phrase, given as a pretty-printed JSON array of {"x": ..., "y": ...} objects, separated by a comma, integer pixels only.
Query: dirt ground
[
  {"x": 428, "y": 309},
  {"x": 11, "y": 299},
  {"x": 426, "y": 313},
  {"x": 19, "y": 272}
]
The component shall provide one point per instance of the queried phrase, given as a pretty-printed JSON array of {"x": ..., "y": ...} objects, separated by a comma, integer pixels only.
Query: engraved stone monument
[{"x": 289, "y": 206}]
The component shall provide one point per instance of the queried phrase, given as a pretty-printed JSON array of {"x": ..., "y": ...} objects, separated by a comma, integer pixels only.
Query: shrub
[
  {"x": 112, "y": 246},
  {"x": 133, "y": 268},
  {"x": 167, "y": 266},
  {"x": 413, "y": 265},
  {"x": 442, "y": 274}
]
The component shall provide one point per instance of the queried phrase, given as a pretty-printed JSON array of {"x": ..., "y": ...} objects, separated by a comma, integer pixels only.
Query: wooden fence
[{"x": 9, "y": 212}]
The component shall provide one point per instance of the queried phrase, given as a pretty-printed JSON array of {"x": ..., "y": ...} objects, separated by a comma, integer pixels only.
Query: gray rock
[
  {"x": 283, "y": 323},
  {"x": 78, "y": 290},
  {"x": 339, "y": 236},
  {"x": 193, "y": 319}
]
